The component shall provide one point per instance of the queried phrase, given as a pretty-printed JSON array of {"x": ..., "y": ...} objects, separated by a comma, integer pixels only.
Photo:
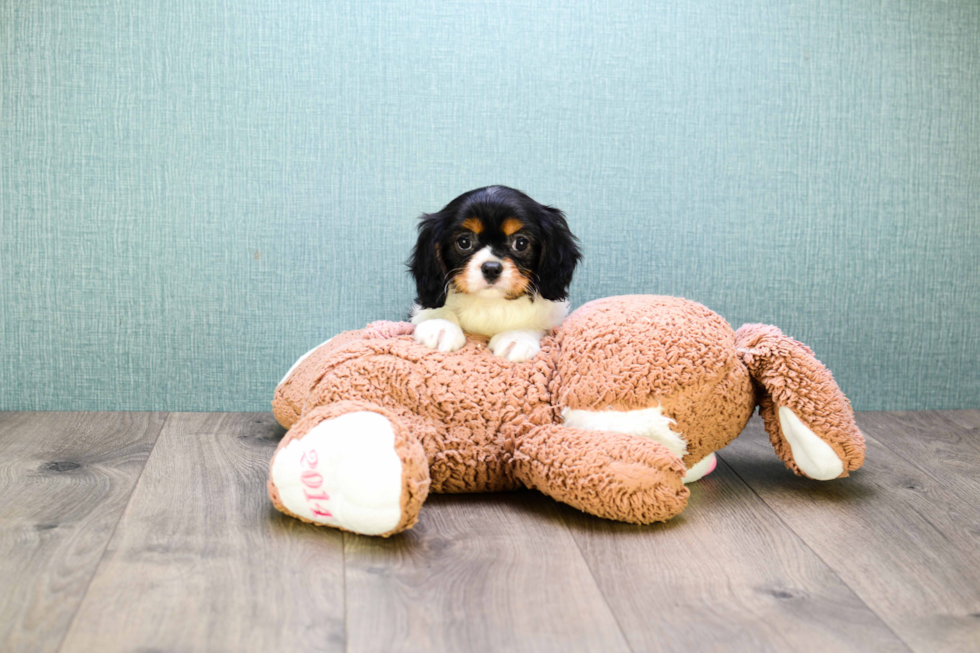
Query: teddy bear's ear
[
  {"x": 426, "y": 265},
  {"x": 559, "y": 255},
  {"x": 809, "y": 420}
]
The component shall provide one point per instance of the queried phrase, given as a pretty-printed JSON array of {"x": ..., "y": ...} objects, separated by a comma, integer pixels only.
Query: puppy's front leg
[
  {"x": 437, "y": 328},
  {"x": 517, "y": 345}
]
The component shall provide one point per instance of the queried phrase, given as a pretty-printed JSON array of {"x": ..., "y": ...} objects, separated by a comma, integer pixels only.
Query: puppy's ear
[
  {"x": 559, "y": 255},
  {"x": 426, "y": 265}
]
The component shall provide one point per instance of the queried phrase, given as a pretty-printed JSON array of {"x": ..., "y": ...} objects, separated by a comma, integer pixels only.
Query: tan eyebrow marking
[
  {"x": 511, "y": 226},
  {"x": 473, "y": 224}
]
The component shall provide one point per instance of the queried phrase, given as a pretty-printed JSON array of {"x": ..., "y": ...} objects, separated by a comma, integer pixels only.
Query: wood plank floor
[{"x": 152, "y": 532}]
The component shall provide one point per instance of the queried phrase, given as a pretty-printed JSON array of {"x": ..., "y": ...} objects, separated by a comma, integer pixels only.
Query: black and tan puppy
[{"x": 492, "y": 262}]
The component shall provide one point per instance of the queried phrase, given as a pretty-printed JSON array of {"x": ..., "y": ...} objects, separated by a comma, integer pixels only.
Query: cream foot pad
[{"x": 343, "y": 473}]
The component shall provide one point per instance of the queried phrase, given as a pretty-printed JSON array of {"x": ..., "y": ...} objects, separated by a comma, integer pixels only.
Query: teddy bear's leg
[
  {"x": 809, "y": 420},
  {"x": 650, "y": 423},
  {"x": 352, "y": 465},
  {"x": 294, "y": 388},
  {"x": 608, "y": 474}
]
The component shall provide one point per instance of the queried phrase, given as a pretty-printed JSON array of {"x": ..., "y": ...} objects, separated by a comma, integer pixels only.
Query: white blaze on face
[{"x": 475, "y": 282}]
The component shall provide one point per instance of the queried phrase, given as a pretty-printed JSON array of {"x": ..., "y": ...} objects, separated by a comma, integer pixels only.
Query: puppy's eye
[
  {"x": 464, "y": 243},
  {"x": 520, "y": 244}
]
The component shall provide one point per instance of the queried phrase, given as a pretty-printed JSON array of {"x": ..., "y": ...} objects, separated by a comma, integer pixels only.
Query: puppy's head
[{"x": 493, "y": 242}]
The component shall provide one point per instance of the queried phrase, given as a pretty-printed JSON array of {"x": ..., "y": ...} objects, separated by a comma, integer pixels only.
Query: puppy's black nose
[{"x": 491, "y": 270}]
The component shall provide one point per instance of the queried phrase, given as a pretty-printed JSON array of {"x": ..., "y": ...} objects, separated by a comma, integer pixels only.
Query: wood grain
[
  {"x": 190, "y": 556},
  {"x": 200, "y": 560},
  {"x": 726, "y": 575},
  {"x": 903, "y": 532},
  {"x": 967, "y": 419},
  {"x": 65, "y": 479},
  {"x": 492, "y": 572}
]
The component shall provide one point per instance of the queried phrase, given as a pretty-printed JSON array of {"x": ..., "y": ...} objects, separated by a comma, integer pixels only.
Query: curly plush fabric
[
  {"x": 681, "y": 357},
  {"x": 790, "y": 376},
  {"x": 470, "y": 421}
]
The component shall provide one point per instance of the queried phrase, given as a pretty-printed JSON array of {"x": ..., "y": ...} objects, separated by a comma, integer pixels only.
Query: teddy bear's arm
[
  {"x": 611, "y": 475},
  {"x": 809, "y": 420}
]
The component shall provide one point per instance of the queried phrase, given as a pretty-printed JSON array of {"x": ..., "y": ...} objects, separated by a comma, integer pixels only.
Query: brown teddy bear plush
[{"x": 626, "y": 402}]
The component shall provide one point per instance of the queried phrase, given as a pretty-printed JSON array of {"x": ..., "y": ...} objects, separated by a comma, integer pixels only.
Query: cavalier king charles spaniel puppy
[{"x": 496, "y": 263}]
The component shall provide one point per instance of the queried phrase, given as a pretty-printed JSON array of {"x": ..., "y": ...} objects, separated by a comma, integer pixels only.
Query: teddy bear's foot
[
  {"x": 356, "y": 470},
  {"x": 700, "y": 469}
]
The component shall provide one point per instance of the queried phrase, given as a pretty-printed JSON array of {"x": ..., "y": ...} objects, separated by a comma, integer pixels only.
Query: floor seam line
[
  {"x": 343, "y": 558},
  {"x": 122, "y": 513},
  {"x": 913, "y": 462},
  {"x": 595, "y": 582}
]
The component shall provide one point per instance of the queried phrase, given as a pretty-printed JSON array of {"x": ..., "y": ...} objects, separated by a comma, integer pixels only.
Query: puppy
[{"x": 492, "y": 262}]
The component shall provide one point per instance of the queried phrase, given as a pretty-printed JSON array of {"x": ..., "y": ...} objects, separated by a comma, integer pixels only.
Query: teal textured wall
[{"x": 192, "y": 194}]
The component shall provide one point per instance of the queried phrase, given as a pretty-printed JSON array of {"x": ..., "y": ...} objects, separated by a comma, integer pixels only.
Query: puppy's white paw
[
  {"x": 439, "y": 334},
  {"x": 516, "y": 346}
]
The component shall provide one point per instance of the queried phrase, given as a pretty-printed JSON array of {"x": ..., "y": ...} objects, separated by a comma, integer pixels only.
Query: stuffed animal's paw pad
[{"x": 345, "y": 472}]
